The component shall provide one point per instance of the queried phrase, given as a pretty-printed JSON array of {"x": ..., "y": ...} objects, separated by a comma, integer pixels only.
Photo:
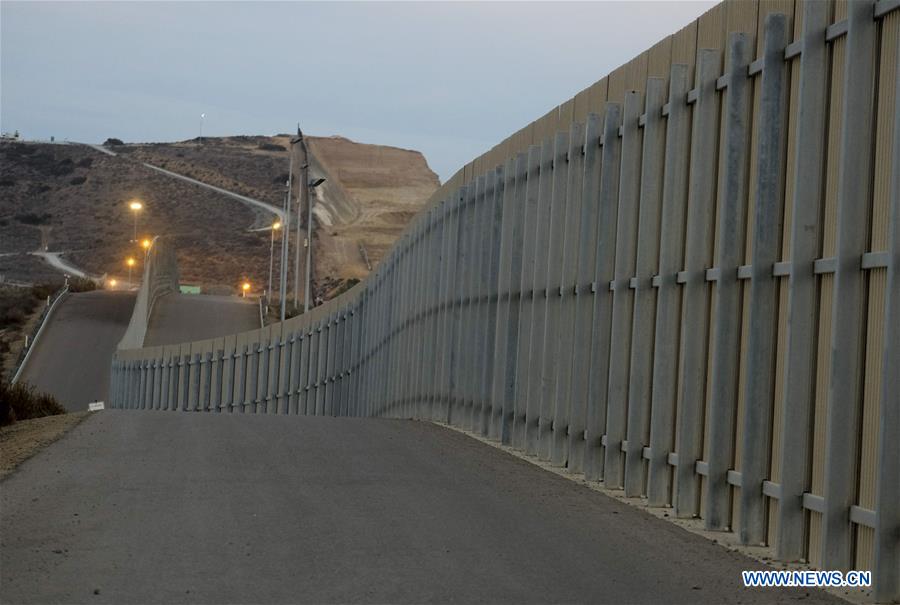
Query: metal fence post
[
  {"x": 648, "y": 245},
  {"x": 586, "y": 262},
  {"x": 321, "y": 364},
  {"x": 767, "y": 237},
  {"x": 497, "y": 421},
  {"x": 622, "y": 294},
  {"x": 854, "y": 200},
  {"x": 886, "y": 579},
  {"x": 604, "y": 255},
  {"x": 802, "y": 309},
  {"x": 552, "y": 290},
  {"x": 568, "y": 271},
  {"x": 506, "y": 341},
  {"x": 695, "y": 301},
  {"x": 497, "y": 183},
  {"x": 543, "y": 180},
  {"x": 732, "y": 215},
  {"x": 527, "y": 299},
  {"x": 218, "y": 381}
]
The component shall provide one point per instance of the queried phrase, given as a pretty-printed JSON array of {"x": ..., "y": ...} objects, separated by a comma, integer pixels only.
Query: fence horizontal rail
[{"x": 682, "y": 283}]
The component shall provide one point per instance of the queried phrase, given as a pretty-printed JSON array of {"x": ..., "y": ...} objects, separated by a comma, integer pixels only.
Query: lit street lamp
[
  {"x": 245, "y": 287},
  {"x": 136, "y": 208},
  {"x": 130, "y": 262},
  {"x": 112, "y": 283},
  {"x": 145, "y": 244},
  {"x": 200, "y": 140},
  {"x": 275, "y": 227}
]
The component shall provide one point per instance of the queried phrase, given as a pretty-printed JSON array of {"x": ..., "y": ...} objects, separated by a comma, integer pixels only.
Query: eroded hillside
[{"x": 72, "y": 199}]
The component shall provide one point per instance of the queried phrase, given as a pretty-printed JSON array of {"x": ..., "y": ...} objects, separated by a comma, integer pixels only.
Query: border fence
[
  {"x": 682, "y": 282},
  {"x": 160, "y": 278}
]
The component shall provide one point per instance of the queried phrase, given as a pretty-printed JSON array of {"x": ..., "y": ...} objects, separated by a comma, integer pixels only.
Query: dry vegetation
[
  {"x": 91, "y": 223},
  {"x": 73, "y": 199},
  {"x": 20, "y": 401}
]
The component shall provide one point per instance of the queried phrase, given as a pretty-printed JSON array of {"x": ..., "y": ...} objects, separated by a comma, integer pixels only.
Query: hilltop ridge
[{"x": 71, "y": 198}]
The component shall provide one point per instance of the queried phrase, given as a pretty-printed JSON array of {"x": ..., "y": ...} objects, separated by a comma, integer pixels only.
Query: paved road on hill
[
  {"x": 186, "y": 317},
  {"x": 71, "y": 359},
  {"x": 155, "y": 507},
  {"x": 242, "y": 198}
]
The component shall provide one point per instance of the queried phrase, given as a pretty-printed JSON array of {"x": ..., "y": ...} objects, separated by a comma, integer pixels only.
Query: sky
[{"x": 450, "y": 79}]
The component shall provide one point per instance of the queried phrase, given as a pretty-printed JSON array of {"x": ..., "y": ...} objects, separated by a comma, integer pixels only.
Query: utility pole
[
  {"x": 309, "y": 222},
  {"x": 303, "y": 195},
  {"x": 285, "y": 241}
]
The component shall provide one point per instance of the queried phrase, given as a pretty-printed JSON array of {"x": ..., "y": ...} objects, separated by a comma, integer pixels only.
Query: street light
[
  {"x": 275, "y": 227},
  {"x": 245, "y": 287},
  {"x": 136, "y": 207},
  {"x": 130, "y": 262},
  {"x": 112, "y": 283},
  {"x": 145, "y": 244},
  {"x": 200, "y": 140},
  {"x": 309, "y": 221}
]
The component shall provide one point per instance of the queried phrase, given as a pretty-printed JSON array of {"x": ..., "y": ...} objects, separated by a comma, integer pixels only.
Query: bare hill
[{"x": 72, "y": 198}]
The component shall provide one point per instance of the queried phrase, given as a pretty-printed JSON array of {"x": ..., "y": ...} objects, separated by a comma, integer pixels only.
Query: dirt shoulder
[{"x": 22, "y": 440}]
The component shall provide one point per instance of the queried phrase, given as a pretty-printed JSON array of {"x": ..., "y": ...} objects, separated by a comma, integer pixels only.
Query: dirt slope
[{"x": 73, "y": 198}]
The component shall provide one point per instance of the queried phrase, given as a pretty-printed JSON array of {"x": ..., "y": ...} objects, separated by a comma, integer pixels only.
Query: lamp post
[
  {"x": 136, "y": 207},
  {"x": 285, "y": 241},
  {"x": 302, "y": 201},
  {"x": 200, "y": 140},
  {"x": 245, "y": 287},
  {"x": 309, "y": 221},
  {"x": 275, "y": 227},
  {"x": 130, "y": 262}
]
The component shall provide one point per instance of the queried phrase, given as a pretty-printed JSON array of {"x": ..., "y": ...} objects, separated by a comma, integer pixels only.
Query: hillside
[{"x": 72, "y": 198}]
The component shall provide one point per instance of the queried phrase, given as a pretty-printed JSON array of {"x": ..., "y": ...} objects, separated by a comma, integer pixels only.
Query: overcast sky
[{"x": 448, "y": 79}]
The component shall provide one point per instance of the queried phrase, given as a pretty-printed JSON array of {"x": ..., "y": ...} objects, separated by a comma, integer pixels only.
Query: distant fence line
[
  {"x": 160, "y": 277},
  {"x": 683, "y": 283}
]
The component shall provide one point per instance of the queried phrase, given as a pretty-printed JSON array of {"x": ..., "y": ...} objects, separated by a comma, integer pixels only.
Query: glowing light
[
  {"x": 276, "y": 225},
  {"x": 245, "y": 286},
  {"x": 145, "y": 244},
  {"x": 135, "y": 205},
  {"x": 112, "y": 283},
  {"x": 129, "y": 261}
]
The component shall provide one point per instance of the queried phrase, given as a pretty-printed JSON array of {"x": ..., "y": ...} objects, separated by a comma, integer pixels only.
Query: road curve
[
  {"x": 242, "y": 198},
  {"x": 185, "y": 317},
  {"x": 71, "y": 360},
  {"x": 153, "y": 507},
  {"x": 55, "y": 260}
]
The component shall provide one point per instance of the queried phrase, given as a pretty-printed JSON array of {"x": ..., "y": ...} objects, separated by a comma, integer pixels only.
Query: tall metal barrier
[
  {"x": 683, "y": 282},
  {"x": 160, "y": 277}
]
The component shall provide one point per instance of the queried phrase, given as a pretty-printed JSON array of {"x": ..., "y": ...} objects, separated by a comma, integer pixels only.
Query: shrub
[
  {"x": 33, "y": 218},
  {"x": 20, "y": 401},
  {"x": 12, "y": 317},
  {"x": 63, "y": 168},
  {"x": 81, "y": 284},
  {"x": 78, "y": 180},
  {"x": 111, "y": 142},
  {"x": 85, "y": 162},
  {"x": 42, "y": 291},
  {"x": 271, "y": 147}
]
